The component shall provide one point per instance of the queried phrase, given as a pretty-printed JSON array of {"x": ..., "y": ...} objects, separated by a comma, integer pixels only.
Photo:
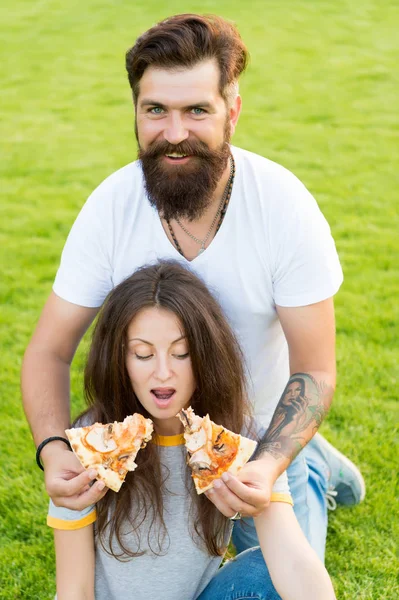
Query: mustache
[{"x": 188, "y": 147}]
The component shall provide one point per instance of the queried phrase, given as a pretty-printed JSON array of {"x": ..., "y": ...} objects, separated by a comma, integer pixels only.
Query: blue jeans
[
  {"x": 308, "y": 481},
  {"x": 244, "y": 577}
]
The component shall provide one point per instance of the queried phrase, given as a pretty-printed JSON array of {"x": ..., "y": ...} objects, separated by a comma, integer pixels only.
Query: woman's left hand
[{"x": 247, "y": 493}]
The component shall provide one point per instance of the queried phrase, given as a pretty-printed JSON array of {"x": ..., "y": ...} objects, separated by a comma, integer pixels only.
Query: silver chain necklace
[{"x": 204, "y": 241}]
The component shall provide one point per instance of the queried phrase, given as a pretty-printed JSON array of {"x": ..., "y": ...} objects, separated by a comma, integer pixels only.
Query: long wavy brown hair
[{"x": 218, "y": 369}]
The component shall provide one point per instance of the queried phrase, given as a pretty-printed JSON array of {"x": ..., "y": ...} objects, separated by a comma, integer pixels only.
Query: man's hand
[
  {"x": 248, "y": 492},
  {"x": 67, "y": 482}
]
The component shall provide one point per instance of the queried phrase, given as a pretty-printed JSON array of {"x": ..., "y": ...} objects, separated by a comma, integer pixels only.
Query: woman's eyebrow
[
  {"x": 182, "y": 337},
  {"x": 140, "y": 340}
]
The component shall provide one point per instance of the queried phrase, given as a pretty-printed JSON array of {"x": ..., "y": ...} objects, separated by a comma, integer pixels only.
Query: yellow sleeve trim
[
  {"x": 71, "y": 525},
  {"x": 168, "y": 440},
  {"x": 281, "y": 497}
]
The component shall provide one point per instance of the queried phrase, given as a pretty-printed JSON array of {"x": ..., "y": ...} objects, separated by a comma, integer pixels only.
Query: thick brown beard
[{"x": 183, "y": 191}]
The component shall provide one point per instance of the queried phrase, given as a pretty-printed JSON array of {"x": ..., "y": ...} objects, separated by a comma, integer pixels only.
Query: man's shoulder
[
  {"x": 247, "y": 156},
  {"x": 122, "y": 190},
  {"x": 268, "y": 179},
  {"x": 124, "y": 180},
  {"x": 262, "y": 166}
]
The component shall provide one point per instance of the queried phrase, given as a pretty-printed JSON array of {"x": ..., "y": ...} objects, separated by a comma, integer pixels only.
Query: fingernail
[
  {"x": 225, "y": 477},
  {"x": 100, "y": 486},
  {"x": 92, "y": 473},
  {"x": 217, "y": 484}
]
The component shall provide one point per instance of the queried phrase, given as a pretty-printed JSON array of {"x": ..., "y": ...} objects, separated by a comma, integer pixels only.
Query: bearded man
[{"x": 254, "y": 234}]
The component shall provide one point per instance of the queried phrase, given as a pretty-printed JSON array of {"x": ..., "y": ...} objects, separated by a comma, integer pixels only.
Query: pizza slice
[
  {"x": 212, "y": 450},
  {"x": 111, "y": 448}
]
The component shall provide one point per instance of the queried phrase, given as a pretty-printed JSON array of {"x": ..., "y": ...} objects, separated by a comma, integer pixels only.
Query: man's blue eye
[
  {"x": 198, "y": 111},
  {"x": 157, "y": 110}
]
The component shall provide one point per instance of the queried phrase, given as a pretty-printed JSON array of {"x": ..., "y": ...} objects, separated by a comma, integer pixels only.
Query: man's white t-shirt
[{"x": 274, "y": 247}]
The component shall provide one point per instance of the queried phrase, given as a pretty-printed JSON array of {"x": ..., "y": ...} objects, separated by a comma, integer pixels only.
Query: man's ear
[{"x": 234, "y": 112}]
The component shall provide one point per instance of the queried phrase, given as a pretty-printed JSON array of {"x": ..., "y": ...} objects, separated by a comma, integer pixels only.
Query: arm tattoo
[{"x": 298, "y": 415}]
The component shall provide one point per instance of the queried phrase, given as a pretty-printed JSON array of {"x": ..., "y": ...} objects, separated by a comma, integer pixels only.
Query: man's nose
[{"x": 176, "y": 131}]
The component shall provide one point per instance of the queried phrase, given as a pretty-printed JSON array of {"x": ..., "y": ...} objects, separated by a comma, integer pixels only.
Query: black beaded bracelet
[{"x": 54, "y": 438}]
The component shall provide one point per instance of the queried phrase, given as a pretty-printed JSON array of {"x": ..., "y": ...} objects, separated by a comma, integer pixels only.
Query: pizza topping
[
  {"x": 201, "y": 457},
  {"x": 190, "y": 420},
  {"x": 218, "y": 444},
  {"x": 98, "y": 439},
  {"x": 219, "y": 435},
  {"x": 196, "y": 441},
  {"x": 200, "y": 468},
  {"x": 207, "y": 444},
  {"x": 111, "y": 448},
  {"x": 183, "y": 416},
  {"x": 211, "y": 449},
  {"x": 219, "y": 448}
]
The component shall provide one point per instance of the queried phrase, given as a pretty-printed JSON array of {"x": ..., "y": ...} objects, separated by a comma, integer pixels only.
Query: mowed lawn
[{"x": 320, "y": 97}]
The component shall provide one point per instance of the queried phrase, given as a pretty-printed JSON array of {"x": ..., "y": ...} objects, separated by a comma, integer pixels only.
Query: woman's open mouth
[{"x": 163, "y": 396}]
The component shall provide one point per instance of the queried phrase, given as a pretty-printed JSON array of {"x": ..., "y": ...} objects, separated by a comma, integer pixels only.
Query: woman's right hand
[{"x": 67, "y": 482}]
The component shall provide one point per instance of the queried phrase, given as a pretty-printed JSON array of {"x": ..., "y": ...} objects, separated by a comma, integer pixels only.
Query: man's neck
[
  {"x": 220, "y": 188},
  {"x": 207, "y": 216},
  {"x": 199, "y": 228}
]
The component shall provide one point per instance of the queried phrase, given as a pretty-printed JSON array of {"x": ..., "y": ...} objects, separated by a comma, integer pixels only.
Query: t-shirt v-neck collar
[{"x": 214, "y": 242}]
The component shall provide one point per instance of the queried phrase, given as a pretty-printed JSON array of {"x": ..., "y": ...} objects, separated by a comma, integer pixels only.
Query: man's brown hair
[{"x": 182, "y": 41}]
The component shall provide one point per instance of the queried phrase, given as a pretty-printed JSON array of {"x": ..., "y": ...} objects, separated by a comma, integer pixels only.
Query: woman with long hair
[{"x": 162, "y": 343}]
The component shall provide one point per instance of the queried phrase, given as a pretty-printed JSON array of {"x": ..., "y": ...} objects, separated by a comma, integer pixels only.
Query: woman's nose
[{"x": 163, "y": 370}]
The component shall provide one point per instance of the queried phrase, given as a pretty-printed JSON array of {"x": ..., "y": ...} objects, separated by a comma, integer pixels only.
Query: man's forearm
[
  {"x": 299, "y": 413},
  {"x": 45, "y": 393}
]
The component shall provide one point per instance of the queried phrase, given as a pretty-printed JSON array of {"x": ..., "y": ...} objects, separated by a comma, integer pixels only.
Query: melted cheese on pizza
[{"x": 211, "y": 448}]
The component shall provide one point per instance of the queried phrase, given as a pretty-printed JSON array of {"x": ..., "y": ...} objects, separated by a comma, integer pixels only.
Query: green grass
[{"x": 320, "y": 97}]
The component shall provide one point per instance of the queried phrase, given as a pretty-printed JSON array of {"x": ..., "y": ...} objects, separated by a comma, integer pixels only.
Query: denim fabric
[
  {"x": 243, "y": 578},
  {"x": 298, "y": 479},
  {"x": 317, "y": 503},
  {"x": 308, "y": 480}
]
